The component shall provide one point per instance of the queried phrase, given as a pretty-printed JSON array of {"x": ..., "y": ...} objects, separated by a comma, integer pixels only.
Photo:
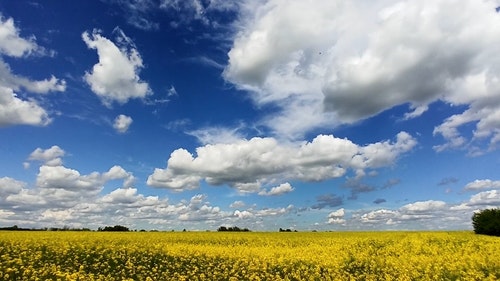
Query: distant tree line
[
  {"x": 286, "y": 230},
  {"x": 232, "y": 229},
  {"x": 65, "y": 228},
  {"x": 114, "y": 228}
]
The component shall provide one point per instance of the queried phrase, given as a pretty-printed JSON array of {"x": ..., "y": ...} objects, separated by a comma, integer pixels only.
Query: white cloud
[
  {"x": 64, "y": 178},
  {"x": 11, "y": 43},
  {"x": 166, "y": 178},
  {"x": 60, "y": 177},
  {"x": 53, "y": 175},
  {"x": 243, "y": 214},
  {"x": 378, "y": 216},
  {"x": 266, "y": 212},
  {"x": 482, "y": 184},
  {"x": 115, "y": 78},
  {"x": 246, "y": 164},
  {"x": 424, "y": 206},
  {"x": 42, "y": 206},
  {"x": 429, "y": 214},
  {"x": 50, "y": 157},
  {"x": 421, "y": 212},
  {"x": 278, "y": 190},
  {"x": 10, "y": 186},
  {"x": 122, "y": 123},
  {"x": 13, "y": 109},
  {"x": 237, "y": 204},
  {"x": 338, "y": 213},
  {"x": 127, "y": 196},
  {"x": 16, "y": 83},
  {"x": 117, "y": 172},
  {"x": 331, "y": 62},
  {"x": 489, "y": 198},
  {"x": 337, "y": 217}
]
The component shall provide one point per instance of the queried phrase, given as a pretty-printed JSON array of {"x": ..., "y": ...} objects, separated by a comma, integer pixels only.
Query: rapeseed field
[{"x": 248, "y": 256}]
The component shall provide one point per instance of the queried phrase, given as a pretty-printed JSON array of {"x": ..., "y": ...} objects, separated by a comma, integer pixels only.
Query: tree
[
  {"x": 113, "y": 228},
  {"x": 487, "y": 222},
  {"x": 233, "y": 229}
]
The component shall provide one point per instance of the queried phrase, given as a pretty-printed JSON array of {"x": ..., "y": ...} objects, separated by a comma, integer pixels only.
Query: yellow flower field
[{"x": 248, "y": 256}]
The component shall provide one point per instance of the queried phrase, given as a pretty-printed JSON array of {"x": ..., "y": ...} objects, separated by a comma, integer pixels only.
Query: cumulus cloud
[
  {"x": 115, "y": 78},
  {"x": 60, "y": 177},
  {"x": 278, "y": 190},
  {"x": 482, "y": 184},
  {"x": 10, "y": 186},
  {"x": 11, "y": 43},
  {"x": 13, "y": 109},
  {"x": 243, "y": 214},
  {"x": 16, "y": 111},
  {"x": 117, "y": 172},
  {"x": 122, "y": 123},
  {"x": 129, "y": 197},
  {"x": 247, "y": 164},
  {"x": 430, "y": 214},
  {"x": 237, "y": 204},
  {"x": 382, "y": 216},
  {"x": 59, "y": 190},
  {"x": 337, "y": 217},
  {"x": 41, "y": 206},
  {"x": 490, "y": 199},
  {"x": 270, "y": 212},
  {"x": 424, "y": 206},
  {"x": 341, "y": 62},
  {"x": 50, "y": 157},
  {"x": 16, "y": 82},
  {"x": 69, "y": 179}
]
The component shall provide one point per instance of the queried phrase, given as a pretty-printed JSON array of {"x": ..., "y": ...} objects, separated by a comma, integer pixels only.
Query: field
[{"x": 248, "y": 256}]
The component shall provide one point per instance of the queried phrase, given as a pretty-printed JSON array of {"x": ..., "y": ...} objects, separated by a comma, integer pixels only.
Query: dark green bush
[{"x": 487, "y": 222}]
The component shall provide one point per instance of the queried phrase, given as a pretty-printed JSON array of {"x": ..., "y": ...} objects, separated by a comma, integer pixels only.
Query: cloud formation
[
  {"x": 13, "y": 109},
  {"x": 63, "y": 196},
  {"x": 50, "y": 157},
  {"x": 430, "y": 214},
  {"x": 341, "y": 62},
  {"x": 11, "y": 43},
  {"x": 115, "y": 78},
  {"x": 277, "y": 190},
  {"x": 246, "y": 165},
  {"x": 122, "y": 123},
  {"x": 336, "y": 217},
  {"x": 60, "y": 177},
  {"x": 482, "y": 185},
  {"x": 16, "y": 111}
]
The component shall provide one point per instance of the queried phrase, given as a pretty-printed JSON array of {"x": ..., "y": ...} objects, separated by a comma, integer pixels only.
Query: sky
[{"x": 264, "y": 114}]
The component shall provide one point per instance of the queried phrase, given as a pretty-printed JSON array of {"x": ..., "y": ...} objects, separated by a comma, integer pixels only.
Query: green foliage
[
  {"x": 232, "y": 229},
  {"x": 487, "y": 222},
  {"x": 113, "y": 228}
]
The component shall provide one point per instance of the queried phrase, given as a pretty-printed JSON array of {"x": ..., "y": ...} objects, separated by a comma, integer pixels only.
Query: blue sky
[{"x": 326, "y": 115}]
